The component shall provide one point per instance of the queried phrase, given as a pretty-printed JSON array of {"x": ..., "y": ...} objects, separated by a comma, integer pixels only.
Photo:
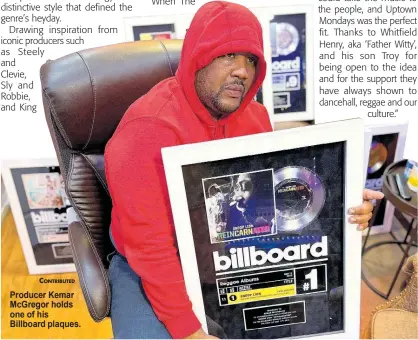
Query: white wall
[{"x": 25, "y": 135}]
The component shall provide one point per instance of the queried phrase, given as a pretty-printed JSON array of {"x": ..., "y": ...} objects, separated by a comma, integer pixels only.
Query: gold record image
[{"x": 377, "y": 158}]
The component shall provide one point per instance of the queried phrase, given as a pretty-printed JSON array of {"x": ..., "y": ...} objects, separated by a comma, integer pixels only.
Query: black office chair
[{"x": 85, "y": 94}]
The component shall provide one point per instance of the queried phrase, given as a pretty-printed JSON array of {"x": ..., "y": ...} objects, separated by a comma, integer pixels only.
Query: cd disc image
[
  {"x": 377, "y": 158},
  {"x": 287, "y": 38},
  {"x": 299, "y": 196}
]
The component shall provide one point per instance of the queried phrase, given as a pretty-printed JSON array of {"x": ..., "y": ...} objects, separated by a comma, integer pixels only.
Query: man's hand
[
  {"x": 362, "y": 214},
  {"x": 200, "y": 334}
]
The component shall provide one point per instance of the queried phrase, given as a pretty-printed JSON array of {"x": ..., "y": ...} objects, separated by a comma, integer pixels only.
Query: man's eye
[
  {"x": 252, "y": 60},
  {"x": 230, "y": 55}
]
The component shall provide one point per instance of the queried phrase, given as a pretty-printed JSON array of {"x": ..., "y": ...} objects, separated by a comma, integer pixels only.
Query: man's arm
[{"x": 137, "y": 185}]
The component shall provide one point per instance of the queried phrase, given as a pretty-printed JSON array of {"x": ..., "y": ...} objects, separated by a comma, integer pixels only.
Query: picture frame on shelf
[
  {"x": 156, "y": 27},
  {"x": 386, "y": 144},
  {"x": 38, "y": 202}
]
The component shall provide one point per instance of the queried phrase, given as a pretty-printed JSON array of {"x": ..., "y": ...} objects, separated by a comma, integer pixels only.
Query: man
[{"x": 211, "y": 97}]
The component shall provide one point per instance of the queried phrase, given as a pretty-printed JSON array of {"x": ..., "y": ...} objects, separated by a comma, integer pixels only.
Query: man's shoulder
[
  {"x": 155, "y": 100},
  {"x": 157, "y": 103},
  {"x": 255, "y": 106},
  {"x": 257, "y": 110},
  {"x": 146, "y": 114},
  {"x": 257, "y": 113}
]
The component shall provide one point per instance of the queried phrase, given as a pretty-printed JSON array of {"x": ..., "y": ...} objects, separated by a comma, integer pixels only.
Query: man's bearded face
[{"x": 222, "y": 85}]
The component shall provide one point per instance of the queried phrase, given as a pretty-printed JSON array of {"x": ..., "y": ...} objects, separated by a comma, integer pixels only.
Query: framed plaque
[
  {"x": 386, "y": 144},
  {"x": 263, "y": 233},
  {"x": 156, "y": 27},
  {"x": 288, "y": 43},
  {"x": 154, "y": 32},
  {"x": 38, "y": 201}
]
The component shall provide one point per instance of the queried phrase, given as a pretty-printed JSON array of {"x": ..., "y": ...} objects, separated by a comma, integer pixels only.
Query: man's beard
[{"x": 222, "y": 108}]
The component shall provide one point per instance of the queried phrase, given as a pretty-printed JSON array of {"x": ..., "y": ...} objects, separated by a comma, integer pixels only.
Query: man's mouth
[{"x": 234, "y": 90}]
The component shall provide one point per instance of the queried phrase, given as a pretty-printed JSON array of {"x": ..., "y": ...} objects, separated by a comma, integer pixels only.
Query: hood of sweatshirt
[{"x": 219, "y": 28}]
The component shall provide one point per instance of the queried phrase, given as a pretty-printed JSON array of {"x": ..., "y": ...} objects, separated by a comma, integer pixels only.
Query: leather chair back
[{"x": 85, "y": 94}]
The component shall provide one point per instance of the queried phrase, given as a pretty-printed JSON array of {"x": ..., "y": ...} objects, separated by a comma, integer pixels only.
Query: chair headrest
[{"x": 88, "y": 92}]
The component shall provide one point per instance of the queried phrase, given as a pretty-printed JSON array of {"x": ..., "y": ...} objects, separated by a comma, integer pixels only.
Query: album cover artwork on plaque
[
  {"x": 262, "y": 230},
  {"x": 39, "y": 202},
  {"x": 386, "y": 147}
]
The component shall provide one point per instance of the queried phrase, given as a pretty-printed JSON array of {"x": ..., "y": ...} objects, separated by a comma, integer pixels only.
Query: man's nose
[{"x": 240, "y": 67}]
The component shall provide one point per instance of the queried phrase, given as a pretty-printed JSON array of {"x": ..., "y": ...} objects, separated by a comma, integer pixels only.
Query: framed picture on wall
[
  {"x": 153, "y": 32},
  {"x": 262, "y": 230},
  {"x": 386, "y": 146},
  {"x": 288, "y": 44},
  {"x": 156, "y": 27},
  {"x": 38, "y": 201}
]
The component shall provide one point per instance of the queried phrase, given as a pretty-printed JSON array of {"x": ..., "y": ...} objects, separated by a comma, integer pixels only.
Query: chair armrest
[
  {"x": 394, "y": 324},
  {"x": 91, "y": 272},
  {"x": 410, "y": 264}
]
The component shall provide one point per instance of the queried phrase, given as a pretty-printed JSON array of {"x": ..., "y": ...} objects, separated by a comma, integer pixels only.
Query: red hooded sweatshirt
[{"x": 172, "y": 114}]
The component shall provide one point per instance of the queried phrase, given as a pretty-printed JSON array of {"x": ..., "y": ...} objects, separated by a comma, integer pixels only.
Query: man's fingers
[
  {"x": 363, "y": 209},
  {"x": 369, "y": 195},
  {"x": 360, "y": 219},
  {"x": 362, "y": 226},
  {"x": 362, "y": 214}
]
